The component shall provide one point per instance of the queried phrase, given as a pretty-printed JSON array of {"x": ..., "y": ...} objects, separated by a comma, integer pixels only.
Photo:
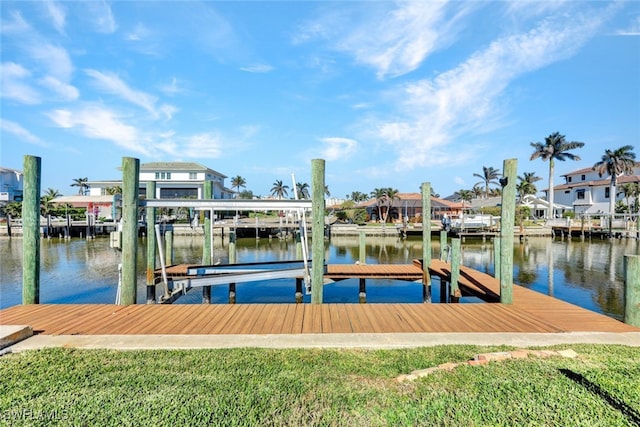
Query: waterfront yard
[{"x": 318, "y": 387}]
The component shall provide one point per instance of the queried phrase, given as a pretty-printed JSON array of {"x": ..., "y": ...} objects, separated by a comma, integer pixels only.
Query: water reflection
[{"x": 586, "y": 273}]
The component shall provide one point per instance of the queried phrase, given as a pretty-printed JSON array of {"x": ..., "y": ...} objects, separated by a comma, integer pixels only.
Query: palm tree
[
  {"x": 489, "y": 176},
  {"x": 628, "y": 190},
  {"x": 52, "y": 194},
  {"x": 303, "y": 190},
  {"x": 358, "y": 196},
  {"x": 279, "y": 189},
  {"x": 379, "y": 194},
  {"x": 82, "y": 184},
  {"x": 45, "y": 201},
  {"x": 526, "y": 184},
  {"x": 14, "y": 209},
  {"x": 477, "y": 191},
  {"x": 465, "y": 196},
  {"x": 616, "y": 162},
  {"x": 391, "y": 194},
  {"x": 238, "y": 182},
  {"x": 555, "y": 147}
]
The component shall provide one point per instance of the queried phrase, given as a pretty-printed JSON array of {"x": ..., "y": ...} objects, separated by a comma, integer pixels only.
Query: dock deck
[{"x": 531, "y": 312}]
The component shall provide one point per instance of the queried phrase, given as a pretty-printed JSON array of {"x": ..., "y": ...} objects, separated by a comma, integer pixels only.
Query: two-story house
[
  {"x": 174, "y": 180},
  {"x": 11, "y": 181},
  {"x": 587, "y": 192}
]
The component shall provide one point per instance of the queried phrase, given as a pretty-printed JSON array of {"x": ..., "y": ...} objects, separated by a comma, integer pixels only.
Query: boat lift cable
[{"x": 302, "y": 219}]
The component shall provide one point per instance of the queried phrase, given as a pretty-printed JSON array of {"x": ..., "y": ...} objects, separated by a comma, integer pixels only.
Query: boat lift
[{"x": 199, "y": 276}]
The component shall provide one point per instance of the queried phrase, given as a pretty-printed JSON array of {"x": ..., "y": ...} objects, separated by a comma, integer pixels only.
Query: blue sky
[{"x": 389, "y": 94}]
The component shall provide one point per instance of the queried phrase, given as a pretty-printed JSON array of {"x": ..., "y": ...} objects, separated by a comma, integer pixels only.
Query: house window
[
  {"x": 193, "y": 175},
  {"x": 606, "y": 192},
  {"x": 583, "y": 177},
  {"x": 568, "y": 179},
  {"x": 580, "y": 194},
  {"x": 163, "y": 175}
]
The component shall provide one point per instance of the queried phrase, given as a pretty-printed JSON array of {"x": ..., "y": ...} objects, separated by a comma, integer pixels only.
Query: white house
[
  {"x": 11, "y": 181},
  {"x": 587, "y": 192},
  {"x": 173, "y": 180}
]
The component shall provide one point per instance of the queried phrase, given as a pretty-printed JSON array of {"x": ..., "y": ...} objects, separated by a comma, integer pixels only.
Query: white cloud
[
  {"x": 465, "y": 99},
  {"x": 139, "y": 33},
  {"x": 203, "y": 145},
  {"x": 633, "y": 29},
  {"x": 66, "y": 91},
  {"x": 20, "y": 132},
  {"x": 172, "y": 88},
  {"x": 336, "y": 148},
  {"x": 13, "y": 86},
  {"x": 111, "y": 83},
  {"x": 460, "y": 181},
  {"x": 101, "y": 16},
  {"x": 57, "y": 14},
  {"x": 168, "y": 111},
  {"x": 404, "y": 35},
  {"x": 16, "y": 25},
  {"x": 257, "y": 68},
  {"x": 97, "y": 122},
  {"x": 55, "y": 59},
  {"x": 47, "y": 58}
]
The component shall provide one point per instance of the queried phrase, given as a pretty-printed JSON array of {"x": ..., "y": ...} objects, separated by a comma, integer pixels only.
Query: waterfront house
[
  {"x": 174, "y": 180},
  {"x": 588, "y": 193},
  {"x": 11, "y": 181},
  {"x": 409, "y": 205}
]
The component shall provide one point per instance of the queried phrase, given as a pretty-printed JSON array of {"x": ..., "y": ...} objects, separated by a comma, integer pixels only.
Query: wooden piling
[
  {"x": 507, "y": 219},
  {"x": 632, "y": 290},
  {"x": 444, "y": 251},
  {"x": 456, "y": 257},
  {"x": 31, "y": 230},
  {"x": 130, "y": 190},
  {"x": 362, "y": 294},
  {"x": 317, "y": 230},
  {"x": 207, "y": 193},
  {"x": 152, "y": 245},
  {"x": 426, "y": 238},
  {"x": 168, "y": 245},
  {"x": 362, "y": 254},
  {"x": 299, "y": 295},
  {"x": 298, "y": 239}
]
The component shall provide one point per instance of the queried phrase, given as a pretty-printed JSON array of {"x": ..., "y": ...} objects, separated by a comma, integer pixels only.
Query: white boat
[{"x": 475, "y": 222}]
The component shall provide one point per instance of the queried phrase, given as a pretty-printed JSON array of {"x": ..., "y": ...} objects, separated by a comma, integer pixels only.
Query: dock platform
[{"x": 531, "y": 312}]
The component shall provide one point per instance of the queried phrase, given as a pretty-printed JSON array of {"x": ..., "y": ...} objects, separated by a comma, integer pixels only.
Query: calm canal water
[{"x": 588, "y": 274}]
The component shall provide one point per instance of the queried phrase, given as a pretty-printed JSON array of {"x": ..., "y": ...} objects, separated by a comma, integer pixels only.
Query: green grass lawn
[{"x": 318, "y": 387}]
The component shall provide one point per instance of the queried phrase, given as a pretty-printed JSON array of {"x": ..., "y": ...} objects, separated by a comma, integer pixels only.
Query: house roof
[
  {"x": 624, "y": 179},
  {"x": 177, "y": 166},
  {"x": 587, "y": 170},
  {"x": 413, "y": 199},
  {"x": 16, "y": 171}
]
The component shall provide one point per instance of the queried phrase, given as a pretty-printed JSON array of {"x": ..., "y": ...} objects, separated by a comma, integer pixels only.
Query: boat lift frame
[{"x": 233, "y": 273}]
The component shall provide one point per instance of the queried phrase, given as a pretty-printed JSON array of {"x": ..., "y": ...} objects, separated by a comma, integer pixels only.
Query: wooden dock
[{"x": 531, "y": 312}]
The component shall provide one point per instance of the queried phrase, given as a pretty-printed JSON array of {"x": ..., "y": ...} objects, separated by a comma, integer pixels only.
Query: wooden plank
[
  {"x": 339, "y": 319},
  {"x": 298, "y": 319},
  {"x": 223, "y": 318}
]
